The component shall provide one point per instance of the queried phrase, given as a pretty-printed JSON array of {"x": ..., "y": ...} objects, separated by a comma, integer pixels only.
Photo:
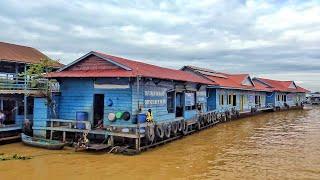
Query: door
[
  {"x": 241, "y": 102},
  {"x": 179, "y": 104},
  {"x": 9, "y": 111},
  {"x": 98, "y": 108}
]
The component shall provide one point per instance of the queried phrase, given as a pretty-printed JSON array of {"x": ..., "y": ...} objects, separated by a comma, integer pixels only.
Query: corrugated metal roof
[
  {"x": 21, "y": 54},
  {"x": 130, "y": 69},
  {"x": 282, "y": 86},
  {"x": 226, "y": 80}
]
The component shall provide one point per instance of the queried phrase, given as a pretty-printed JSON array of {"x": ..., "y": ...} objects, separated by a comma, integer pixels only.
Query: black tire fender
[{"x": 159, "y": 131}]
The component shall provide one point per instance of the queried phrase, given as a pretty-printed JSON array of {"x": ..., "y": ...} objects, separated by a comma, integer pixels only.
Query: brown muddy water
[{"x": 282, "y": 145}]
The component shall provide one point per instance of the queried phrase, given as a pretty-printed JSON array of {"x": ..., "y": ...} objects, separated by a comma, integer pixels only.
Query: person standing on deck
[{"x": 149, "y": 116}]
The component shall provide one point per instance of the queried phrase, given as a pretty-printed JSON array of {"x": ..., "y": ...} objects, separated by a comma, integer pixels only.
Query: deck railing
[{"x": 20, "y": 83}]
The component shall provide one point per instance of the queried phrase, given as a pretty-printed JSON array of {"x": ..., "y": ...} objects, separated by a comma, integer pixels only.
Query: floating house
[
  {"x": 16, "y": 92},
  {"x": 100, "y": 86},
  {"x": 231, "y": 91},
  {"x": 113, "y": 97},
  {"x": 284, "y": 94}
]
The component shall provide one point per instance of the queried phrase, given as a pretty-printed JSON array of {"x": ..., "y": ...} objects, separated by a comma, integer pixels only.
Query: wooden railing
[{"x": 20, "y": 83}]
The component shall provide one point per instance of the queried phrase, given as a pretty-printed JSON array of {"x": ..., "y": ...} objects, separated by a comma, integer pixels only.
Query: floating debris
[{"x": 13, "y": 157}]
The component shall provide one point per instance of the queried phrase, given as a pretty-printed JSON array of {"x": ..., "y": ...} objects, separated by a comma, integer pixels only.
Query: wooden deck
[{"x": 10, "y": 128}]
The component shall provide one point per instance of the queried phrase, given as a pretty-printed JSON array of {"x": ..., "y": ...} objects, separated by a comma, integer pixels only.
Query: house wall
[
  {"x": 40, "y": 116},
  {"x": 212, "y": 99},
  {"x": 249, "y": 99},
  {"x": 291, "y": 98},
  {"x": 153, "y": 95},
  {"x": 271, "y": 98},
  {"x": 77, "y": 95}
]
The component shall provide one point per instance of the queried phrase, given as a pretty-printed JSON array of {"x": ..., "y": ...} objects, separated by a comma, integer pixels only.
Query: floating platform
[{"x": 137, "y": 138}]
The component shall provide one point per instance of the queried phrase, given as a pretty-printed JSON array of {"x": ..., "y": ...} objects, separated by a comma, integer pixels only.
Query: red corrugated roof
[
  {"x": 135, "y": 69},
  {"x": 282, "y": 86},
  {"x": 226, "y": 80}
]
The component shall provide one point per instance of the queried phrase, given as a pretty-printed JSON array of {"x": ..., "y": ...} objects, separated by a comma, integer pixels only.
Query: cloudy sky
[{"x": 273, "y": 39}]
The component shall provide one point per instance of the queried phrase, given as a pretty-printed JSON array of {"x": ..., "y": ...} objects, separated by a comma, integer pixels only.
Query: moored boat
[{"x": 41, "y": 142}]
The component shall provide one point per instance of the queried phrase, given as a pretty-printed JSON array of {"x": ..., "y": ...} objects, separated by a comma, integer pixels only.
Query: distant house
[
  {"x": 314, "y": 98},
  {"x": 284, "y": 93},
  {"x": 15, "y": 91},
  {"x": 231, "y": 90}
]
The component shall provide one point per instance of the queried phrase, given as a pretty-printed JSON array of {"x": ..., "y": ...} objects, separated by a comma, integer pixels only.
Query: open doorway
[
  {"x": 9, "y": 111},
  {"x": 98, "y": 108},
  {"x": 179, "y": 104}
]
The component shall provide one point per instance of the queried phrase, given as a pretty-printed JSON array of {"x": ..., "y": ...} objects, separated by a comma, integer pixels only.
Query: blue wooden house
[
  {"x": 283, "y": 93},
  {"x": 229, "y": 91},
  {"x": 102, "y": 85},
  {"x": 16, "y": 92}
]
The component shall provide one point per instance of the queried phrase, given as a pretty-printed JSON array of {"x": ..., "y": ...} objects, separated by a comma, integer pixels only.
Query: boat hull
[{"x": 41, "y": 142}]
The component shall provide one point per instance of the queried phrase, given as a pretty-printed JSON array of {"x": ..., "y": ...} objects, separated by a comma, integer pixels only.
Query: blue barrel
[
  {"x": 142, "y": 118},
  {"x": 81, "y": 116}
]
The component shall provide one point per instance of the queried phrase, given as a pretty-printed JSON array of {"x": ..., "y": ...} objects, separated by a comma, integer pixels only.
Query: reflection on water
[{"x": 283, "y": 145}]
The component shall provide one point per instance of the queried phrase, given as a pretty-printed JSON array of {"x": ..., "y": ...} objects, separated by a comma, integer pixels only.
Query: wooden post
[
  {"x": 25, "y": 92},
  {"x": 64, "y": 136},
  {"x": 138, "y": 123},
  {"x": 51, "y": 131}
]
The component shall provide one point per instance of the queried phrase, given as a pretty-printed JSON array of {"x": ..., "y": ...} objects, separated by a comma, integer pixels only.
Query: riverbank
[{"x": 281, "y": 145}]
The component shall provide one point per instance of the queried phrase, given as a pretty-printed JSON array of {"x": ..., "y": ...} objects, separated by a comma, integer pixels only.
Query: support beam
[{"x": 25, "y": 104}]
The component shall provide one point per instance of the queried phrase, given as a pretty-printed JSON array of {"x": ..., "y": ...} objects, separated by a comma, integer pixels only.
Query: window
[
  {"x": 221, "y": 99},
  {"x": 170, "y": 101},
  {"x": 257, "y": 100},
  {"x": 278, "y": 98},
  {"x": 234, "y": 100},
  {"x": 229, "y": 99},
  {"x": 285, "y": 98}
]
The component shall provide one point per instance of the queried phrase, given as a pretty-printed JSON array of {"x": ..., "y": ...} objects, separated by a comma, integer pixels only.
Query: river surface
[{"x": 281, "y": 145}]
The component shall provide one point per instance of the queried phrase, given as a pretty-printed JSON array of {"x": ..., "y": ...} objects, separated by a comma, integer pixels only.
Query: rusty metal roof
[{"x": 21, "y": 54}]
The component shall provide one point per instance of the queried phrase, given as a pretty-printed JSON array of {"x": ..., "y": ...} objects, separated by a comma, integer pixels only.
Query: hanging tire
[
  {"x": 219, "y": 117},
  {"x": 167, "y": 130},
  {"x": 180, "y": 125},
  {"x": 198, "y": 126},
  {"x": 174, "y": 128},
  {"x": 237, "y": 114},
  {"x": 202, "y": 120},
  {"x": 159, "y": 131},
  {"x": 150, "y": 135},
  {"x": 214, "y": 117},
  {"x": 185, "y": 128},
  {"x": 224, "y": 117}
]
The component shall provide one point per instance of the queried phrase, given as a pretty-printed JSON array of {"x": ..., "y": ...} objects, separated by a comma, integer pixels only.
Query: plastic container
[
  {"x": 142, "y": 118},
  {"x": 119, "y": 115},
  {"x": 81, "y": 116}
]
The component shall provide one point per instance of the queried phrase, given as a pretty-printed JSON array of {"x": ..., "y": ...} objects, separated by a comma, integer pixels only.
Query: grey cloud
[{"x": 223, "y": 35}]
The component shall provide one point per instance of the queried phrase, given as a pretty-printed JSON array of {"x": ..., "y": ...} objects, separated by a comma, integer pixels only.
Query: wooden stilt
[{"x": 64, "y": 136}]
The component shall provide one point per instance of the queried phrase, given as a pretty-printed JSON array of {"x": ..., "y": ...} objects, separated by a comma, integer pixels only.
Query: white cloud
[{"x": 262, "y": 37}]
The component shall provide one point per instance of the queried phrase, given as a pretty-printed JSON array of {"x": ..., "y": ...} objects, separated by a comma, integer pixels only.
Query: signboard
[
  {"x": 101, "y": 83},
  {"x": 201, "y": 96},
  {"x": 154, "y": 96},
  {"x": 189, "y": 99}
]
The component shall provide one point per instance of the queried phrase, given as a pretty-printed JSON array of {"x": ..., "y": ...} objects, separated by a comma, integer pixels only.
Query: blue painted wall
[
  {"x": 212, "y": 96},
  {"x": 40, "y": 116},
  {"x": 270, "y": 98},
  {"x": 78, "y": 95},
  {"x": 214, "y": 102}
]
